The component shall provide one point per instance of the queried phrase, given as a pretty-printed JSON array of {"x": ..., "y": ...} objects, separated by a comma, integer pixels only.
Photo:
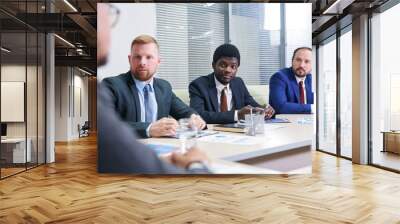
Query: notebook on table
[{"x": 234, "y": 127}]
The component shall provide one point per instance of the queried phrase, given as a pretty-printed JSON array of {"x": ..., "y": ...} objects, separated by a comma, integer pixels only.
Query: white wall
[
  {"x": 61, "y": 103},
  {"x": 128, "y": 27},
  {"x": 81, "y": 104},
  {"x": 12, "y": 73},
  {"x": 70, "y": 84},
  {"x": 33, "y": 126}
]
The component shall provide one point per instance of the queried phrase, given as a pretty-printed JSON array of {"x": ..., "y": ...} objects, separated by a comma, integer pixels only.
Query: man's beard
[
  {"x": 142, "y": 77},
  {"x": 300, "y": 74}
]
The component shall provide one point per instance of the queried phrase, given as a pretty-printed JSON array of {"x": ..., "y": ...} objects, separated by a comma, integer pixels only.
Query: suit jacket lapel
[
  {"x": 294, "y": 84},
  {"x": 212, "y": 92},
  {"x": 235, "y": 96},
  {"x": 132, "y": 87},
  {"x": 158, "y": 93}
]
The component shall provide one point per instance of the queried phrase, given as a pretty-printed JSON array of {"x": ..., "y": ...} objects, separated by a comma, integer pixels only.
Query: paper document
[
  {"x": 162, "y": 149},
  {"x": 308, "y": 120},
  {"x": 277, "y": 120},
  {"x": 206, "y": 133},
  {"x": 270, "y": 127},
  {"x": 220, "y": 167},
  {"x": 231, "y": 139},
  {"x": 202, "y": 133}
]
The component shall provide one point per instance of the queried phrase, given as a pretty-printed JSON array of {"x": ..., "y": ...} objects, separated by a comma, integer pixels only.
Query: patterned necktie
[
  {"x": 301, "y": 90},
  {"x": 147, "y": 107},
  {"x": 224, "y": 101}
]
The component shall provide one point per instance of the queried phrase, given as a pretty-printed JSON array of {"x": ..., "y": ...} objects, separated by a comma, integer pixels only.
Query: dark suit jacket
[
  {"x": 204, "y": 99},
  {"x": 125, "y": 98},
  {"x": 284, "y": 94},
  {"x": 118, "y": 149}
]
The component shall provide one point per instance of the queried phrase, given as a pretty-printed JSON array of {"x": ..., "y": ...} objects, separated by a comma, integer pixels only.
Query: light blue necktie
[{"x": 149, "y": 112}]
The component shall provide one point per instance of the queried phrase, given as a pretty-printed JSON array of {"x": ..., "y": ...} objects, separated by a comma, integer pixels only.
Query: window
[
  {"x": 385, "y": 84},
  {"x": 327, "y": 96},
  {"x": 189, "y": 33},
  {"x": 298, "y": 33},
  {"x": 346, "y": 93},
  {"x": 22, "y": 67}
]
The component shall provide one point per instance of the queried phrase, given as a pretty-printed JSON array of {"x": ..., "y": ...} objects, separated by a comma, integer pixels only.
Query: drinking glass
[
  {"x": 186, "y": 133},
  {"x": 254, "y": 122}
]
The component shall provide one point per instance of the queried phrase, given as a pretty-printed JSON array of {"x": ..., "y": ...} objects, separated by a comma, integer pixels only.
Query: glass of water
[
  {"x": 186, "y": 133},
  {"x": 254, "y": 122}
]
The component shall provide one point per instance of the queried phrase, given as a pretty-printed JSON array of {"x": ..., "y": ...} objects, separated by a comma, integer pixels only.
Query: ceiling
[
  {"x": 329, "y": 16},
  {"x": 76, "y": 26},
  {"x": 75, "y": 21}
]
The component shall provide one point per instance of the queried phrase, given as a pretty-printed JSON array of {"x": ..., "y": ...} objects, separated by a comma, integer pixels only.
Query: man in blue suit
[
  {"x": 290, "y": 89},
  {"x": 145, "y": 102},
  {"x": 221, "y": 97}
]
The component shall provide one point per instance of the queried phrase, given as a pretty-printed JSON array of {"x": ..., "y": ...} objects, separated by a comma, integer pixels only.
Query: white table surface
[{"x": 289, "y": 136}]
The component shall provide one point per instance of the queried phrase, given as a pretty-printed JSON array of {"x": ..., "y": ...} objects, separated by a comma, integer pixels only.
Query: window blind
[{"x": 188, "y": 35}]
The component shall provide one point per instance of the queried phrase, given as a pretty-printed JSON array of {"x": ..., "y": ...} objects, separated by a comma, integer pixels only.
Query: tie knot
[
  {"x": 301, "y": 83},
  {"x": 147, "y": 88},
  {"x": 223, "y": 90}
]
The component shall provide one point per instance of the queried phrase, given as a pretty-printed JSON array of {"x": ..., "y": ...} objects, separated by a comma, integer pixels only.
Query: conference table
[{"x": 283, "y": 148}]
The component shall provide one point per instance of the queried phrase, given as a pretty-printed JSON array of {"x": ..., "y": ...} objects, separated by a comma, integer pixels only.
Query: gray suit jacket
[
  {"x": 125, "y": 98},
  {"x": 118, "y": 149}
]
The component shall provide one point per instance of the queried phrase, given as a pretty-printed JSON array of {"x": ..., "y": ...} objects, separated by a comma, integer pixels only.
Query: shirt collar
[
  {"x": 220, "y": 86},
  {"x": 298, "y": 79}
]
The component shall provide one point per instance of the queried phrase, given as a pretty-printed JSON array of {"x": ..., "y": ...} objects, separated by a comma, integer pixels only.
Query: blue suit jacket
[
  {"x": 126, "y": 101},
  {"x": 204, "y": 99},
  {"x": 284, "y": 94}
]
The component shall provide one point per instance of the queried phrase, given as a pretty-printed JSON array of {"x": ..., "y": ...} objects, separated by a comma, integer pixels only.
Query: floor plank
[{"x": 71, "y": 191}]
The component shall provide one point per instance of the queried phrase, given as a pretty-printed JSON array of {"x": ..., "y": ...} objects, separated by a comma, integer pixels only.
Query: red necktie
[
  {"x": 224, "y": 101},
  {"x": 301, "y": 89}
]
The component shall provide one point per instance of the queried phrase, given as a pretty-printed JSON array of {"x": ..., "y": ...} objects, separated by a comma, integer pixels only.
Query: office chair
[{"x": 84, "y": 130}]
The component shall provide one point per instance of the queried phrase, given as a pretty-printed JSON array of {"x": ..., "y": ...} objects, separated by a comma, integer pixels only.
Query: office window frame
[
  {"x": 39, "y": 49},
  {"x": 334, "y": 37},
  {"x": 343, "y": 31},
  {"x": 387, "y": 5},
  {"x": 381, "y": 9}
]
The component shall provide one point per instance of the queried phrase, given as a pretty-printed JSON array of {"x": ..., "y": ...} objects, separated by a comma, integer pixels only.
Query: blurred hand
[
  {"x": 245, "y": 110},
  {"x": 269, "y": 111},
  {"x": 197, "y": 122},
  {"x": 163, "y": 127},
  {"x": 258, "y": 110},
  {"x": 192, "y": 155}
]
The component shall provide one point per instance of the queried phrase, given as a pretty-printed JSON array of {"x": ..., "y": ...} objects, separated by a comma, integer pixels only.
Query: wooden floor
[
  {"x": 10, "y": 171},
  {"x": 71, "y": 191}
]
